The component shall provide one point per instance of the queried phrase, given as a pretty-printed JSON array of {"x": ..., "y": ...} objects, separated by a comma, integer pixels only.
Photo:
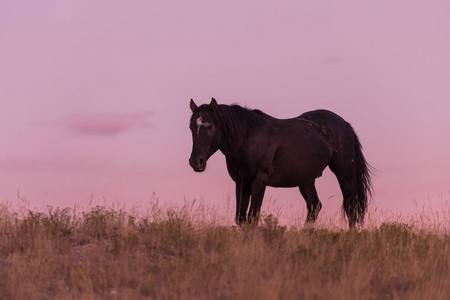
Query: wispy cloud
[{"x": 105, "y": 124}]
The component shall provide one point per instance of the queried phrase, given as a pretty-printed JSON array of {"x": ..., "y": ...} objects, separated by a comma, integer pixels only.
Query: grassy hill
[{"x": 109, "y": 254}]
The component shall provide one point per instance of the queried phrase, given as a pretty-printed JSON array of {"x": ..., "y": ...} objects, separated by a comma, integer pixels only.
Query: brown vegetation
[{"x": 109, "y": 254}]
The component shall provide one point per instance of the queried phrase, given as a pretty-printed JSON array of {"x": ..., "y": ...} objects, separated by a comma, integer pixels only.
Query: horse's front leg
[
  {"x": 242, "y": 199},
  {"x": 258, "y": 190}
]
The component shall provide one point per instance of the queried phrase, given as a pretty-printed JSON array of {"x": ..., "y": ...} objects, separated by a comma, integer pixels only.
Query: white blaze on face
[{"x": 200, "y": 124}]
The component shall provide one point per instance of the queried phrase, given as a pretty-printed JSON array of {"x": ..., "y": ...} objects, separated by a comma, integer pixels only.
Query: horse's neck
[
  {"x": 230, "y": 146},
  {"x": 228, "y": 149},
  {"x": 233, "y": 137}
]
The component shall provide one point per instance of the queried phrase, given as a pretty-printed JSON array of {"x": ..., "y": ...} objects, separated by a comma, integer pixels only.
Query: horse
[{"x": 262, "y": 151}]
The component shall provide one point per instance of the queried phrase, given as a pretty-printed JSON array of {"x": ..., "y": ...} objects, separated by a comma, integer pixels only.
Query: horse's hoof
[{"x": 308, "y": 225}]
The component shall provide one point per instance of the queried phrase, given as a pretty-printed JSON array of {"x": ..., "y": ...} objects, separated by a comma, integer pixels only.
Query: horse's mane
[{"x": 235, "y": 121}]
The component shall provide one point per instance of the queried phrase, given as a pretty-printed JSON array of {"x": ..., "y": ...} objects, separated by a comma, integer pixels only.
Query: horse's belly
[
  {"x": 294, "y": 170},
  {"x": 285, "y": 184},
  {"x": 292, "y": 180}
]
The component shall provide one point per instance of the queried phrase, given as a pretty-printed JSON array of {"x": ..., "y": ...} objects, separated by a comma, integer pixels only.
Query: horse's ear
[
  {"x": 213, "y": 104},
  {"x": 193, "y": 105}
]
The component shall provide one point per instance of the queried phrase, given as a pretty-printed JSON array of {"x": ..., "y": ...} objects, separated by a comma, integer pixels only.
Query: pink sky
[{"x": 95, "y": 96}]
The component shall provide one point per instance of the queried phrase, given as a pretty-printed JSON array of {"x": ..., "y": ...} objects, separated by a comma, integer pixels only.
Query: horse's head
[{"x": 206, "y": 137}]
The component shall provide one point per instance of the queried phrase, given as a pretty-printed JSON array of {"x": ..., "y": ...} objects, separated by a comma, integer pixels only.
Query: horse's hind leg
[
  {"x": 350, "y": 203},
  {"x": 313, "y": 204},
  {"x": 347, "y": 183}
]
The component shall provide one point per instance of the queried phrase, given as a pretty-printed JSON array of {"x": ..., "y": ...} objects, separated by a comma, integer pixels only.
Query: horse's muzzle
[{"x": 198, "y": 164}]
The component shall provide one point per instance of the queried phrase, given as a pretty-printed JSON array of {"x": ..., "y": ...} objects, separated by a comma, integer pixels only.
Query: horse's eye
[{"x": 210, "y": 127}]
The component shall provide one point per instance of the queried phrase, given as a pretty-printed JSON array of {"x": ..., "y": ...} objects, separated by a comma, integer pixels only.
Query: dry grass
[{"x": 109, "y": 254}]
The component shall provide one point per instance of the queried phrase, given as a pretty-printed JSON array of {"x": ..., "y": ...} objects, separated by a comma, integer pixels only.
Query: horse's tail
[{"x": 363, "y": 181}]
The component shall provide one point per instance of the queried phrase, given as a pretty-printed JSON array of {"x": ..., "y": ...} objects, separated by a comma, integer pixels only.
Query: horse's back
[
  {"x": 341, "y": 133},
  {"x": 324, "y": 117}
]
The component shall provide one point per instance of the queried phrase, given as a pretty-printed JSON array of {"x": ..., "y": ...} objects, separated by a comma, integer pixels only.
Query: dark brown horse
[{"x": 261, "y": 151}]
